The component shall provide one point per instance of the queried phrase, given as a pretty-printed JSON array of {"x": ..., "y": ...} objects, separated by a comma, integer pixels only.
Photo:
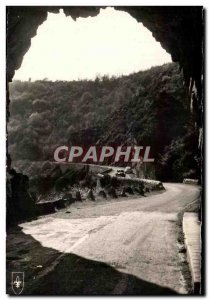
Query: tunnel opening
[{"x": 110, "y": 44}]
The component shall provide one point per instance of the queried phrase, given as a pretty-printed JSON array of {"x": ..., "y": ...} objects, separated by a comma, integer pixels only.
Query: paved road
[{"x": 135, "y": 236}]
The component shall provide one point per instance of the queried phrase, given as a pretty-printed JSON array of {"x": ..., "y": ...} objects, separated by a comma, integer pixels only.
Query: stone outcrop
[
  {"x": 102, "y": 194},
  {"x": 90, "y": 195},
  {"x": 20, "y": 204}
]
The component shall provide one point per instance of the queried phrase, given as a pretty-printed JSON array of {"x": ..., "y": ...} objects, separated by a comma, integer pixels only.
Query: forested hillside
[{"x": 149, "y": 108}]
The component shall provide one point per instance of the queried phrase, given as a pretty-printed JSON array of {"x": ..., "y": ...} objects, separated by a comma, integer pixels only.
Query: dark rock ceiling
[{"x": 178, "y": 29}]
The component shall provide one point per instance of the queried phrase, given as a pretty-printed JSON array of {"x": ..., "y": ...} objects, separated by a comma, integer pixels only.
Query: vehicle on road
[
  {"x": 120, "y": 173},
  {"x": 128, "y": 170}
]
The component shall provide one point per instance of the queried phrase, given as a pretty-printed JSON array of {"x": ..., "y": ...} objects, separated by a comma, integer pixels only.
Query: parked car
[
  {"x": 128, "y": 170},
  {"x": 120, "y": 173}
]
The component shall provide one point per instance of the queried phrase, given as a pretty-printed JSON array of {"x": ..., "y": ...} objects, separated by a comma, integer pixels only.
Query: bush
[
  {"x": 105, "y": 181},
  {"x": 115, "y": 182},
  {"x": 61, "y": 183}
]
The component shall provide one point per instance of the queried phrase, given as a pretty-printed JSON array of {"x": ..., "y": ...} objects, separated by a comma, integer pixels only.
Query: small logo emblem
[{"x": 17, "y": 282}]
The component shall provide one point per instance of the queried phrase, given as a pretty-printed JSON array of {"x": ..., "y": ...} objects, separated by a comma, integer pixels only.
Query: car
[
  {"x": 120, "y": 173},
  {"x": 128, "y": 170}
]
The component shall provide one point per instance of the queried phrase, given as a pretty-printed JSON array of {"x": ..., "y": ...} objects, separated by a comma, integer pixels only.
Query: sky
[{"x": 112, "y": 43}]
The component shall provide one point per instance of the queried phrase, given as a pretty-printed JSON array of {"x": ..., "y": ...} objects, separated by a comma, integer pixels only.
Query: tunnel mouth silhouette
[
  {"x": 90, "y": 48},
  {"x": 189, "y": 58}
]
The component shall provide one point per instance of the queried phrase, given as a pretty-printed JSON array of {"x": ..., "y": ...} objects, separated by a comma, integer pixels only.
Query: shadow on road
[{"x": 73, "y": 275}]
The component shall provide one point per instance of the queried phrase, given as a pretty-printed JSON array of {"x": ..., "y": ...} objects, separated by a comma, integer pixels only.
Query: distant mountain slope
[{"x": 149, "y": 107}]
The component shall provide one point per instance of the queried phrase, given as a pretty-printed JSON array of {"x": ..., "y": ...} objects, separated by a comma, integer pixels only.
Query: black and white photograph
[{"x": 104, "y": 150}]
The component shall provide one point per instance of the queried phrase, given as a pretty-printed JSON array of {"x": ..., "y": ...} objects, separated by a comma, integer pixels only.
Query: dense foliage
[{"x": 146, "y": 108}]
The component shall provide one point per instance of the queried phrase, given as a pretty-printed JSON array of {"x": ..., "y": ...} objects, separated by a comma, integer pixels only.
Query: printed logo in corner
[{"x": 17, "y": 282}]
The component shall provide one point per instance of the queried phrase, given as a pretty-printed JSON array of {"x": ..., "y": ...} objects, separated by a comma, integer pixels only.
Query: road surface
[{"x": 135, "y": 236}]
